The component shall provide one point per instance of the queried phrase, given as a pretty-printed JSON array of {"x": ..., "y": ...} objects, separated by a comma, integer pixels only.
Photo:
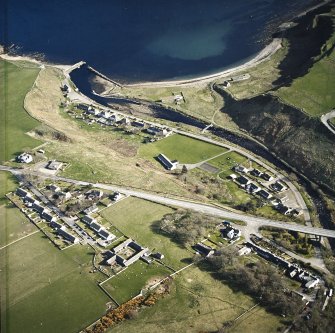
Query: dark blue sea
[{"x": 134, "y": 40}]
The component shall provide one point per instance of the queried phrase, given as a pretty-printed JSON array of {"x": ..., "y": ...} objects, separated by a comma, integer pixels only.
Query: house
[
  {"x": 48, "y": 217},
  {"x": 266, "y": 176},
  {"x": 102, "y": 121},
  {"x": 252, "y": 188},
  {"x": 104, "y": 114},
  {"x": 233, "y": 176},
  {"x": 24, "y": 158},
  {"x": 55, "y": 225},
  {"x": 93, "y": 111},
  {"x": 30, "y": 200},
  {"x": 278, "y": 186},
  {"x": 54, "y": 165},
  {"x": 139, "y": 124},
  {"x": 231, "y": 233},
  {"x": 64, "y": 196},
  {"x": 293, "y": 273},
  {"x": 22, "y": 193},
  {"x": 226, "y": 84},
  {"x": 115, "y": 118},
  {"x": 264, "y": 194},
  {"x": 240, "y": 169},
  {"x": 94, "y": 194},
  {"x": 135, "y": 246},
  {"x": 88, "y": 220},
  {"x": 256, "y": 172},
  {"x": 54, "y": 188},
  {"x": 65, "y": 88},
  {"x": 121, "y": 246},
  {"x": 95, "y": 226},
  {"x": 203, "y": 249},
  {"x": 38, "y": 208},
  {"x": 124, "y": 121},
  {"x": 116, "y": 196},
  {"x": 284, "y": 209},
  {"x": 312, "y": 283},
  {"x": 178, "y": 98},
  {"x": 243, "y": 181},
  {"x": 244, "y": 251},
  {"x": 83, "y": 107},
  {"x": 66, "y": 235},
  {"x": 91, "y": 209},
  {"x": 169, "y": 165},
  {"x": 107, "y": 236},
  {"x": 158, "y": 255},
  {"x": 158, "y": 131}
]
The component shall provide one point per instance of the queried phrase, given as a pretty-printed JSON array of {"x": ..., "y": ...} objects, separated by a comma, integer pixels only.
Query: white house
[{"x": 24, "y": 158}]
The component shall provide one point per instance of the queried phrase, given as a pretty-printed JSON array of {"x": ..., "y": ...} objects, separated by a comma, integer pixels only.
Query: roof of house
[
  {"x": 203, "y": 249},
  {"x": 242, "y": 180},
  {"x": 166, "y": 162},
  {"x": 95, "y": 226},
  {"x": 88, "y": 219},
  {"x": 38, "y": 208},
  {"x": 47, "y": 216},
  {"x": 63, "y": 232},
  {"x": 264, "y": 194},
  {"x": 21, "y": 192},
  {"x": 106, "y": 235}
]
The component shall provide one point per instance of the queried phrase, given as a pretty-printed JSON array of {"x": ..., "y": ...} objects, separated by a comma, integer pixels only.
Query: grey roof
[
  {"x": 165, "y": 161},
  {"x": 88, "y": 219},
  {"x": 21, "y": 192}
]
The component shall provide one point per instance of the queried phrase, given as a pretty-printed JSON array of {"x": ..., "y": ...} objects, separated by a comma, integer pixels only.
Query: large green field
[
  {"x": 47, "y": 290},
  {"x": 139, "y": 223},
  {"x": 129, "y": 283},
  {"x": 314, "y": 92},
  {"x": 200, "y": 303},
  {"x": 181, "y": 148},
  {"x": 15, "y": 82}
]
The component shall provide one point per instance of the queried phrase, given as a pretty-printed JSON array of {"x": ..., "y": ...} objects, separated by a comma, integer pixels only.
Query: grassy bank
[{"x": 14, "y": 120}]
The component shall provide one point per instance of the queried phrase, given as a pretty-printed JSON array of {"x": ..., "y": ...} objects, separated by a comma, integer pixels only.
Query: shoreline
[{"x": 261, "y": 56}]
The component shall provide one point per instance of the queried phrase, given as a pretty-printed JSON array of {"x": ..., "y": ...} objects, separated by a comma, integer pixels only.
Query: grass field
[
  {"x": 47, "y": 290},
  {"x": 129, "y": 283},
  {"x": 181, "y": 148},
  {"x": 199, "y": 303},
  {"x": 314, "y": 92},
  {"x": 138, "y": 223},
  {"x": 14, "y": 120}
]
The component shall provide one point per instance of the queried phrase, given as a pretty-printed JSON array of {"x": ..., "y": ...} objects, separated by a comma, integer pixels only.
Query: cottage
[
  {"x": 233, "y": 176},
  {"x": 124, "y": 121},
  {"x": 54, "y": 165},
  {"x": 243, "y": 181},
  {"x": 138, "y": 124},
  {"x": 231, "y": 233},
  {"x": 158, "y": 255},
  {"x": 116, "y": 196},
  {"x": 93, "y": 111},
  {"x": 64, "y": 196},
  {"x": 48, "y": 217},
  {"x": 252, "y": 188},
  {"x": 284, "y": 209},
  {"x": 38, "y": 208},
  {"x": 104, "y": 114},
  {"x": 107, "y": 236},
  {"x": 88, "y": 220},
  {"x": 162, "y": 132},
  {"x": 278, "y": 187},
  {"x": 95, "y": 226},
  {"x": 240, "y": 169},
  {"x": 266, "y": 176},
  {"x": 226, "y": 84},
  {"x": 66, "y": 235},
  {"x": 94, "y": 194},
  {"x": 203, "y": 249},
  {"x": 115, "y": 118},
  {"x": 169, "y": 165},
  {"x": 264, "y": 194},
  {"x": 22, "y": 193},
  {"x": 54, "y": 188},
  {"x": 24, "y": 158},
  {"x": 256, "y": 173},
  {"x": 312, "y": 283},
  {"x": 55, "y": 225},
  {"x": 91, "y": 209},
  {"x": 121, "y": 246},
  {"x": 244, "y": 251}
]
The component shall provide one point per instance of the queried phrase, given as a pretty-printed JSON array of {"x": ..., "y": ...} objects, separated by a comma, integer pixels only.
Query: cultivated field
[
  {"x": 14, "y": 120},
  {"x": 139, "y": 224},
  {"x": 200, "y": 303},
  {"x": 181, "y": 148},
  {"x": 47, "y": 290}
]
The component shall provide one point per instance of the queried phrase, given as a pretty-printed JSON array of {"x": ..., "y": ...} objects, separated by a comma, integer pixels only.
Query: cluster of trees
[
  {"x": 186, "y": 227},
  {"x": 260, "y": 280}
]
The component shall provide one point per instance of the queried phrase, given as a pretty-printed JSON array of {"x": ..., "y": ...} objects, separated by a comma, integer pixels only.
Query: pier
[
  {"x": 104, "y": 76},
  {"x": 75, "y": 66},
  {"x": 206, "y": 128}
]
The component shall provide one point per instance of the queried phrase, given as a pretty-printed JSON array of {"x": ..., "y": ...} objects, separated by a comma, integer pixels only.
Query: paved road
[
  {"x": 326, "y": 117},
  {"x": 254, "y": 221}
]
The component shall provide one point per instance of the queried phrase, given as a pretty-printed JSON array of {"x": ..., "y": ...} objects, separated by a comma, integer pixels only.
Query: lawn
[
  {"x": 314, "y": 92},
  {"x": 227, "y": 161},
  {"x": 8, "y": 183},
  {"x": 181, "y": 148},
  {"x": 200, "y": 303},
  {"x": 47, "y": 290},
  {"x": 129, "y": 283},
  {"x": 15, "y": 122},
  {"x": 138, "y": 223}
]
